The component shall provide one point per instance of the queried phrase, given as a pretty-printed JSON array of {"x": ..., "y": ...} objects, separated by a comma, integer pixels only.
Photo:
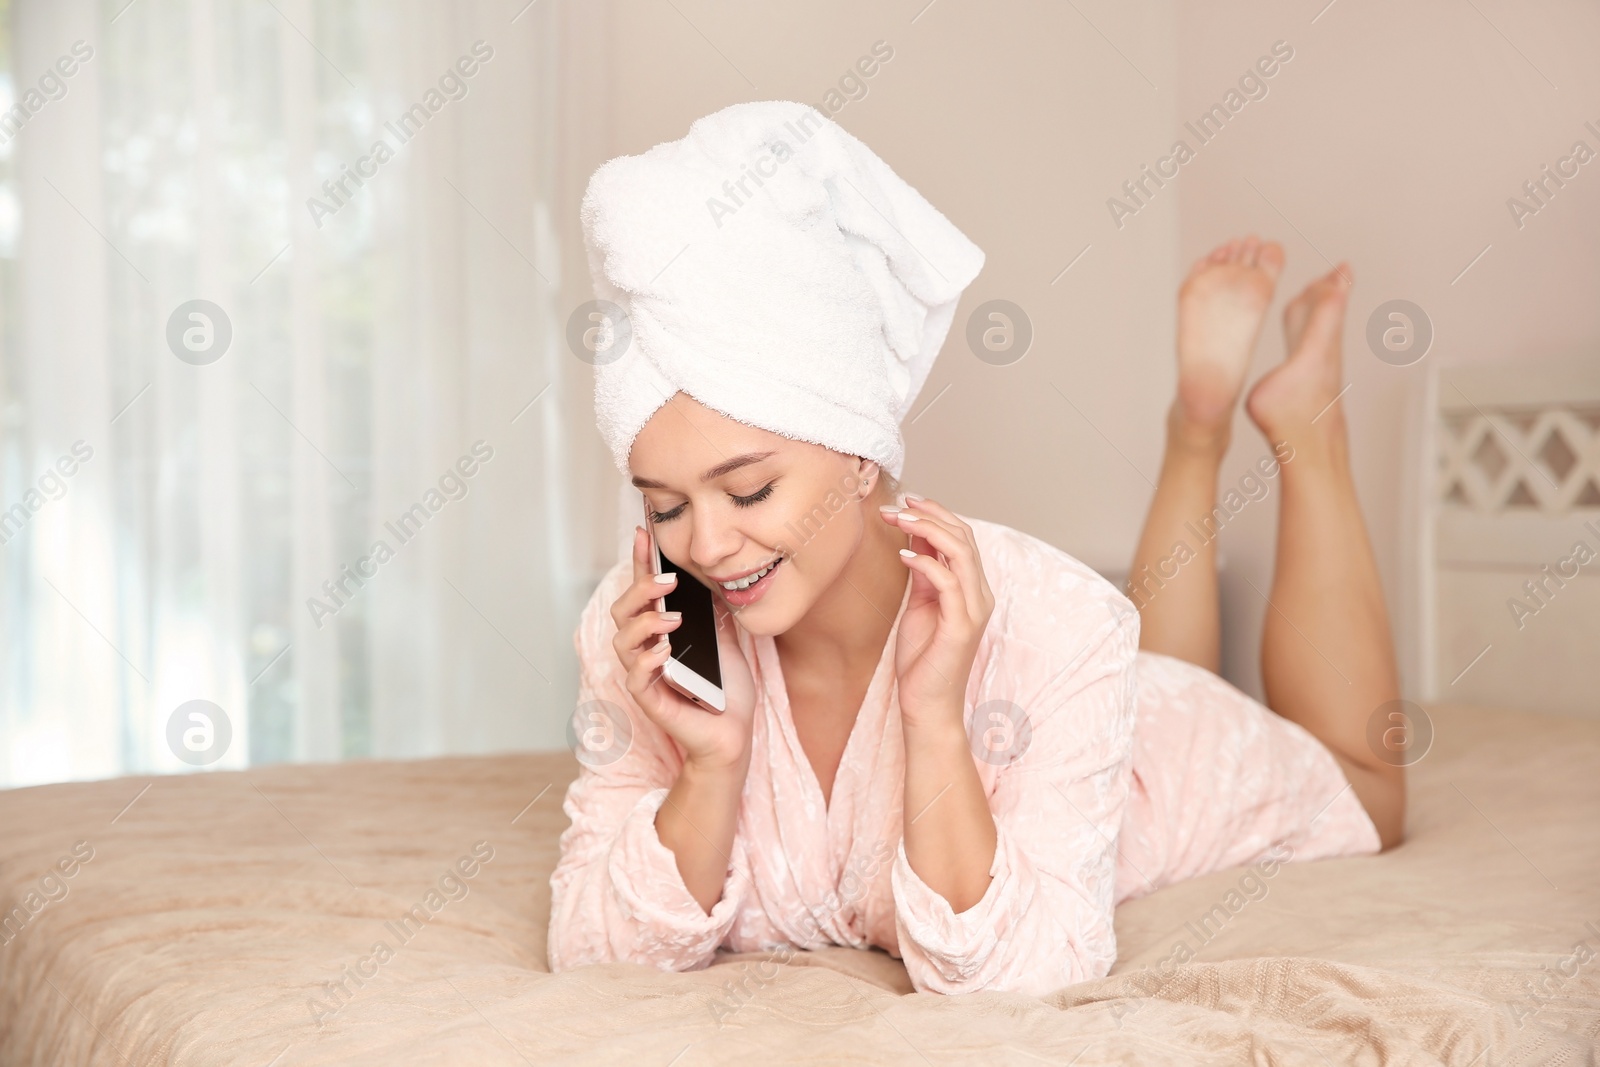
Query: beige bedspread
[{"x": 215, "y": 914}]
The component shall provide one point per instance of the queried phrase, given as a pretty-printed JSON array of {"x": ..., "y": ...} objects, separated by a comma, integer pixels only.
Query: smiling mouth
[{"x": 741, "y": 584}]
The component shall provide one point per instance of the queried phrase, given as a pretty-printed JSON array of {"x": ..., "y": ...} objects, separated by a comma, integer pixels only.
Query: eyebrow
[{"x": 726, "y": 467}]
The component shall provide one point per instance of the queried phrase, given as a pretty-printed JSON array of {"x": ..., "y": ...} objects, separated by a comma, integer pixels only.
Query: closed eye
[
  {"x": 738, "y": 501},
  {"x": 754, "y": 498}
]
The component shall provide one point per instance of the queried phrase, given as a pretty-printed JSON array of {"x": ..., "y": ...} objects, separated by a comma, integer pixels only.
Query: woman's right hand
[{"x": 712, "y": 741}]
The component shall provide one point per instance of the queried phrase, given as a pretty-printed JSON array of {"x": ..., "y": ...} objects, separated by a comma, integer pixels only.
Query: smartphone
[{"x": 695, "y": 666}]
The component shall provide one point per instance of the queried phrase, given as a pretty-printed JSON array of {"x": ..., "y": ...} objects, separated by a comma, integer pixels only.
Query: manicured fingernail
[
  {"x": 672, "y": 616},
  {"x": 666, "y": 579},
  {"x": 913, "y": 496},
  {"x": 908, "y": 553},
  {"x": 906, "y": 516},
  {"x": 888, "y": 509}
]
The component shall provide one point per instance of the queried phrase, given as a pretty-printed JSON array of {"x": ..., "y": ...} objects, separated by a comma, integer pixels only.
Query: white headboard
[{"x": 1513, "y": 518}]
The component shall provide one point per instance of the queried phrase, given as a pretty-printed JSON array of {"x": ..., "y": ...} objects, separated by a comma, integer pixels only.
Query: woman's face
[{"x": 729, "y": 499}]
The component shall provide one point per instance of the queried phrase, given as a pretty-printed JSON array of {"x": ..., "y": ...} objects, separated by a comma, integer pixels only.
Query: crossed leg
[{"x": 1327, "y": 657}]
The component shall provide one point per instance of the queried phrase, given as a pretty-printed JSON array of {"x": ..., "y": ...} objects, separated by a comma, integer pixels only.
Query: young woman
[{"x": 952, "y": 740}]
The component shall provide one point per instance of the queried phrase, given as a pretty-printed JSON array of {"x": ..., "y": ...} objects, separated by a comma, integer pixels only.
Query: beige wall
[{"x": 1392, "y": 138}]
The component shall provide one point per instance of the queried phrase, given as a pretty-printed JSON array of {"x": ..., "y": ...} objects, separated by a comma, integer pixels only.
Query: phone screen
[{"x": 694, "y": 642}]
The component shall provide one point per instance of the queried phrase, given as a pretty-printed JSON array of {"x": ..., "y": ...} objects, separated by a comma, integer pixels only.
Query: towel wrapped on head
[{"x": 771, "y": 266}]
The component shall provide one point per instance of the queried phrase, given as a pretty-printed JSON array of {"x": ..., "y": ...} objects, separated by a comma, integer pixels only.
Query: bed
[{"x": 235, "y": 918}]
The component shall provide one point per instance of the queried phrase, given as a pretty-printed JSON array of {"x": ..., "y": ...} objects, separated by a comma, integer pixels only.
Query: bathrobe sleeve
[
  {"x": 1046, "y": 920},
  {"x": 616, "y": 894}
]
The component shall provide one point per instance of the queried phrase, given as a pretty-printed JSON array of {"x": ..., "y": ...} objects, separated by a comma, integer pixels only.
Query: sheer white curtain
[{"x": 385, "y": 342}]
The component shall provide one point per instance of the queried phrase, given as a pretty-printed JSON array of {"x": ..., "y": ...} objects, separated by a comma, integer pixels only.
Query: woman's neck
[{"x": 845, "y": 631}]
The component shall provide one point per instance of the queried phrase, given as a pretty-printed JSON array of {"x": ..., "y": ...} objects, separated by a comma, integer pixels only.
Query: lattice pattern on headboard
[{"x": 1493, "y": 459}]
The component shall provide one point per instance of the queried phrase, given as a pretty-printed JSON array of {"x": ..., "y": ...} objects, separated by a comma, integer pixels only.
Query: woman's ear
[{"x": 866, "y": 474}]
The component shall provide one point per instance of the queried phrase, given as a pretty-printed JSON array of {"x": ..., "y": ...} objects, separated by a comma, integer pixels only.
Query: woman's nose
[{"x": 712, "y": 543}]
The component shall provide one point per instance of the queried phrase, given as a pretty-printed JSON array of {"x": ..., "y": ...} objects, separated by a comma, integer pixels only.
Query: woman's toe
[{"x": 1270, "y": 259}]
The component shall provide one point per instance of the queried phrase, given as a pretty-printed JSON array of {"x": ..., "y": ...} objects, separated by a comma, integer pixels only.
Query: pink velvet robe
[{"x": 1110, "y": 772}]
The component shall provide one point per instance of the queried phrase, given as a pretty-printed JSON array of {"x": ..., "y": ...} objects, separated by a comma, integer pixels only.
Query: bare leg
[
  {"x": 1327, "y": 658},
  {"x": 1174, "y": 578}
]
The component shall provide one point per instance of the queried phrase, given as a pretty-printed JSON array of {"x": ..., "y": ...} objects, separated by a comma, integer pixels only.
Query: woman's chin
[
  {"x": 757, "y": 620},
  {"x": 767, "y": 617}
]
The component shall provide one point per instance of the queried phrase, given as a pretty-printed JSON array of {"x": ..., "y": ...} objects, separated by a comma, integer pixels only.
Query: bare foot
[
  {"x": 1304, "y": 388},
  {"x": 1220, "y": 309}
]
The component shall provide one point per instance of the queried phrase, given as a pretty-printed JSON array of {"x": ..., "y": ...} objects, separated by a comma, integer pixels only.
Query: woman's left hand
[{"x": 945, "y": 617}]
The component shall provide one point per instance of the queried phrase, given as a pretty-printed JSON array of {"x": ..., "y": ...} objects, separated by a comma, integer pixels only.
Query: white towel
[{"x": 775, "y": 269}]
